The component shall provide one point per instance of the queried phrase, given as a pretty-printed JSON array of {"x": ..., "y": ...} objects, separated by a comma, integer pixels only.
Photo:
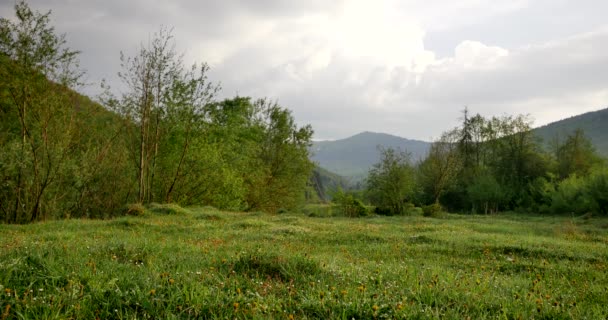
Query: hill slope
[
  {"x": 353, "y": 156},
  {"x": 594, "y": 124},
  {"x": 325, "y": 182}
]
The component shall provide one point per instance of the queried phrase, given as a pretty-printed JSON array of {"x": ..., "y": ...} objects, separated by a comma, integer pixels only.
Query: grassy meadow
[{"x": 202, "y": 263}]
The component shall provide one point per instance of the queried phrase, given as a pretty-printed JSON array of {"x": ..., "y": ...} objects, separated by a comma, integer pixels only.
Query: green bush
[
  {"x": 571, "y": 196},
  {"x": 349, "y": 204},
  {"x": 352, "y": 207},
  {"x": 597, "y": 187},
  {"x": 135, "y": 209},
  {"x": 433, "y": 210},
  {"x": 168, "y": 208},
  {"x": 415, "y": 211}
]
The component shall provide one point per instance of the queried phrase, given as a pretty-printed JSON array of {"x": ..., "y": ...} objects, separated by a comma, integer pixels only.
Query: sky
[{"x": 406, "y": 68}]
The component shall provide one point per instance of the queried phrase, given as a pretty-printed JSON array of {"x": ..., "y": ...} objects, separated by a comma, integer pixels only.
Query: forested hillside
[
  {"x": 166, "y": 138},
  {"x": 594, "y": 125}
]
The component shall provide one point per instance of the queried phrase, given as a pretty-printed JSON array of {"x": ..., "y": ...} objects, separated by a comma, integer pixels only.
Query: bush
[
  {"x": 168, "y": 208},
  {"x": 597, "y": 187},
  {"x": 135, "y": 209},
  {"x": 433, "y": 210},
  {"x": 571, "y": 197},
  {"x": 352, "y": 207},
  {"x": 415, "y": 211},
  {"x": 349, "y": 204}
]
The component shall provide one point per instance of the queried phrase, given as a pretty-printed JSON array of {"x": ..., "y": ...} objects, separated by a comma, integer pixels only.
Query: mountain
[
  {"x": 324, "y": 183},
  {"x": 594, "y": 124},
  {"x": 353, "y": 157}
]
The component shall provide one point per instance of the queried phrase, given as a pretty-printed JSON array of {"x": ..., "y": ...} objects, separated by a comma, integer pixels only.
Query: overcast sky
[{"x": 402, "y": 67}]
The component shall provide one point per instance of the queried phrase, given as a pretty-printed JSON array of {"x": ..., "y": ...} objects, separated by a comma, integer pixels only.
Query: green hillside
[
  {"x": 594, "y": 124},
  {"x": 353, "y": 156},
  {"x": 324, "y": 182}
]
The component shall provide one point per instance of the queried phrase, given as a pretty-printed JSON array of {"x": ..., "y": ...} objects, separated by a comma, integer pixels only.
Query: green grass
[{"x": 203, "y": 263}]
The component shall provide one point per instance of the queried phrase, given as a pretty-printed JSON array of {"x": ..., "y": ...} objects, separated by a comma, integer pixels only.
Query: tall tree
[
  {"x": 261, "y": 139},
  {"x": 162, "y": 98},
  {"x": 576, "y": 155},
  {"x": 441, "y": 167},
  {"x": 391, "y": 182},
  {"x": 36, "y": 69}
]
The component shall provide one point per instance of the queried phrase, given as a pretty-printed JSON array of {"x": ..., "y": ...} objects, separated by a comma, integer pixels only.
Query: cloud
[{"x": 352, "y": 65}]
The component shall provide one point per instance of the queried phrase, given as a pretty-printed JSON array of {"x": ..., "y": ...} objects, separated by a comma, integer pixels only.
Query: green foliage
[
  {"x": 592, "y": 123},
  {"x": 169, "y": 209},
  {"x": 576, "y": 155},
  {"x": 597, "y": 186},
  {"x": 581, "y": 195},
  {"x": 164, "y": 140},
  {"x": 349, "y": 205},
  {"x": 391, "y": 182},
  {"x": 486, "y": 194},
  {"x": 571, "y": 196},
  {"x": 352, "y": 157},
  {"x": 59, "y": 155},
  {"x": 439, "y": 171},
  {"x": 261, "y": 141},
  {"x": 135, "y": 209},
  {"x": 322, "y": 183},
  {"x": 433, "y": 211}
]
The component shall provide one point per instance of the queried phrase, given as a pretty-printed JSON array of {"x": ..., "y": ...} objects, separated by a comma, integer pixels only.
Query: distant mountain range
[{"x": 354, "y": 156}]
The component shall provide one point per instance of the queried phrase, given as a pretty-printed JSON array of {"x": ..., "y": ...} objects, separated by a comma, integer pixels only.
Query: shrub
[
  {"x": 571, "y": 197},
  {"x": 349, "y": 204},
  {"x": 433, "y": 210},
  {"x": 168, "y": 208},
  {"x": 135, "y": 209},
  {"x": 597, "y": 187}
]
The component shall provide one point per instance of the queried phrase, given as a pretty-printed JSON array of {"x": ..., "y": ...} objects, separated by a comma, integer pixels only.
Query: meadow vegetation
[
  {"x": 121, "y": 196},
  {"x": 199, "y": 262}
]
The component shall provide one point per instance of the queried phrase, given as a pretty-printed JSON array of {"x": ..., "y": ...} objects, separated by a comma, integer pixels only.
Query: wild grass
[{"x": 203, "y": 263}]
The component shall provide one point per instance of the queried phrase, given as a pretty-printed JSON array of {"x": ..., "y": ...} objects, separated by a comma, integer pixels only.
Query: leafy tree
[
  {"x": 576, "y": 155},
  {"x": 165, "y": 102},
  {"x": 486, "y": 194},
  {"x": 261, "y": 140},
  {"x": 441, "y": 167},
  {"x": 597, "y": 186},
  {"x": 38, "y": 121},
  {"x": 391, "y": 182}
]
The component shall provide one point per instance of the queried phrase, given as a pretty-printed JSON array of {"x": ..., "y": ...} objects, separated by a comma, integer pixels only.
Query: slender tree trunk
[
  {"x": 142, "y": 155},
  {"x": 154, "y": 156},
  {"x": 179, "y": 166}
]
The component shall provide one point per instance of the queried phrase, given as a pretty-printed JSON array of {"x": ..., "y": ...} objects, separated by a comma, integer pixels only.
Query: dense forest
[{"x": 167, "y": 138}]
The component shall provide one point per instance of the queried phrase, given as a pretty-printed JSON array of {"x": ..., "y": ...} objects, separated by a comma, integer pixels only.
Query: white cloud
[{"x": 352, "y": 65}]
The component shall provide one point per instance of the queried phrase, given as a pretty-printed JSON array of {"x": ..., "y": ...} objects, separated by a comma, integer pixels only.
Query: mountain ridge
[{"x": 353, "y": 156}]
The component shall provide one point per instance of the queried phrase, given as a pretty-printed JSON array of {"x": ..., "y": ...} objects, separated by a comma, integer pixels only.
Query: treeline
[
  {"x": 166, "y": 138},
  {"x": 493, "y": 164}
]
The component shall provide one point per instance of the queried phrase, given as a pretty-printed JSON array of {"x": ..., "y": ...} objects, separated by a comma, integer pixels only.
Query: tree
[
  {"x": 166, "y": 103},
  {"x": 486, "y": 194},
  {"x": 576, "y": 155},
  {"x": 442, "y": 165},
  {"x": 38, "y": 120},
  {"x": 270, "y": 150},
  {"x": 390, "y": 182}
]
